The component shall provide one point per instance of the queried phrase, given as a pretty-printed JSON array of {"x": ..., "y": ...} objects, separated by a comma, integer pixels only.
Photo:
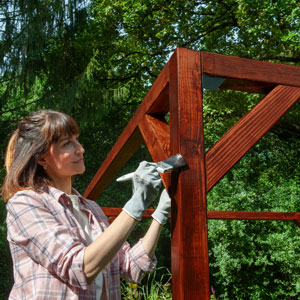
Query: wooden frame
[{"x": 178, "y": 90}]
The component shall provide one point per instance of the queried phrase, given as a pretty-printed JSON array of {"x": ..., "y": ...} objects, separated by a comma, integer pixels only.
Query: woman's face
[{"x": 64, "y": 158}]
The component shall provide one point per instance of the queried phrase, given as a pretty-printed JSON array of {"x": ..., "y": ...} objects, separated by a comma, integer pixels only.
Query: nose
[{"x": 79, "y": 149}]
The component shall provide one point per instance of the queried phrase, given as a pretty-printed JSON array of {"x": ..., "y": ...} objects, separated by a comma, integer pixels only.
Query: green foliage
[
  {"x": 96, "y": 61},
  {"x": 257, "y": 259},
  {"x": 5, "y": 261}
]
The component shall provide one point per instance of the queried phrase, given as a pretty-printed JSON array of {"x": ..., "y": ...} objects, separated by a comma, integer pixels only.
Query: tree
[{"x": 97, "y": 59}]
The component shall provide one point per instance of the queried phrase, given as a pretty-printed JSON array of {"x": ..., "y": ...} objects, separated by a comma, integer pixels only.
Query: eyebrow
[
  {"x": 63, "y": 139},
  {"x": 66, "y": 138}
]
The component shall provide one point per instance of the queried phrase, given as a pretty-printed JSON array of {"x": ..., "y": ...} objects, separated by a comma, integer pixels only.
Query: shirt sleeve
[
  {"x": 55, "y": 246},
  {"x": 135, "y": 262}
]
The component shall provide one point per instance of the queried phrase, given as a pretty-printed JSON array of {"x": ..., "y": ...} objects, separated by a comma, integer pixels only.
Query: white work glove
[
  {"x": 163, "y": 208},
  {"x": 146, "y": 183}
]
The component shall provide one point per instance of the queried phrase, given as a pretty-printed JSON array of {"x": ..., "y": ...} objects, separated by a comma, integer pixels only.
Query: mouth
[{"x": 79, "y": 160}]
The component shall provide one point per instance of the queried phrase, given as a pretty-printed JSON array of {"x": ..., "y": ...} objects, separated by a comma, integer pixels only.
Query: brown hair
[{"x": 28, "y": 142}]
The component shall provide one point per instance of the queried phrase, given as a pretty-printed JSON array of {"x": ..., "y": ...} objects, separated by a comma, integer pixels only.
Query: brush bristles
[{"x": 172, "y": 163}]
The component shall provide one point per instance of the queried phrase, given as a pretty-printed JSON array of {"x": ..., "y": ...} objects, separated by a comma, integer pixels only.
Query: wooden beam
[
  {"x": 179, "y": 89},
  {"x": 156, "y": 134},
  {"x": 223, "y": 215},
  {"x": 113, "y": 212},
  {"x": 115, "y": 160},
  {"x": 248, "y": 131},
  {"x": 161, "y": 105},
  {"x": 190, "y": 271},
  {"x": 253, "y": 215},
  {"x": 128, "y": 142},
  {"x": 224, "y": 66},
  {"x": 247, "y": 86}
]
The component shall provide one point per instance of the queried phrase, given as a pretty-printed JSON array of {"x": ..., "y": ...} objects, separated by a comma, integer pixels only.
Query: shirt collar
[{"x": 60, "y": 195}]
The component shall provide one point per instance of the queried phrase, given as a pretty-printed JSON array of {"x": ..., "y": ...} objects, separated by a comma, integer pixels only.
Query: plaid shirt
[{"x": 47, "y": 246}]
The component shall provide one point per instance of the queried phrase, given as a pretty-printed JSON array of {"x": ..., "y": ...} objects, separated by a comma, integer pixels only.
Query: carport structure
[{"x": 178, "y": 91}]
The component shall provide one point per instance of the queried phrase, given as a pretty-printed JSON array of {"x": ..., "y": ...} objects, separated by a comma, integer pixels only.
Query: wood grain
[
  {"x": 225, "y": 215},
  {"x": 253, "y": 215},
  {"x": 156, "y": 134},
  {"x": 190, "y": 272},
  {"x": 178, "y": 89},
  {"x": 161, "y": 105},
  {"x": 247, "y": 86},
  {"x": 249, "y": 70},
  {"x": 248, "y": 131}
]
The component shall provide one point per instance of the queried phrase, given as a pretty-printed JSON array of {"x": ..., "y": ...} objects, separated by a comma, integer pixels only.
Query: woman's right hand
[{"x": 146, "y": 184}]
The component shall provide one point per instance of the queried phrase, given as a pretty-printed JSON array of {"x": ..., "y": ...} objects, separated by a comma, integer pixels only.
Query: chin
[{"x": 80, "y": 171}]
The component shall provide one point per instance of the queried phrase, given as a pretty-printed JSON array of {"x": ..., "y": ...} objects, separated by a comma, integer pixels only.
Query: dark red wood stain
[
  {"x": 178, "y": 89},
  {"x": 248, "y": 131},
  {"x": 189, "y": 239}
]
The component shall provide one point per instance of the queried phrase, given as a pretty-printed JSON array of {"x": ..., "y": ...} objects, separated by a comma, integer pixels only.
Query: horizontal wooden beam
[
  {"x": 225, "y": 215},
  {"x": 115, "y": 211},
  {"x": 244, "y": 69},
  {"x": 253, "y": 215},
  {"x": 247, "y": 132},
  {"x": 247, "y": 86}
]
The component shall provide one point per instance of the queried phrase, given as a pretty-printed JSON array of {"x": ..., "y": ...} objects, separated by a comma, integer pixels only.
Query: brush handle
[
  {"x": 125, "y": 177},
  {"x": 129, "y": 176}
]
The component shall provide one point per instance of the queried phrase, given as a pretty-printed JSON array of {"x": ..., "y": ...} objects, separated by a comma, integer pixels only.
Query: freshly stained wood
[
  {"x": 161, "y": 105},
  {"x": 116, "y": 159},
  {"x": 224, "y": 215},
  {"x": 253, "y": 215},
  {"x": 248, "y": 131},
  {"x": 224, "y": 66},
  {"x": 247, "y": 86},
  {"x": 178, "y": 89},
  {"x": 190, "y": 272},
  {"x": 156, "y": 135}
]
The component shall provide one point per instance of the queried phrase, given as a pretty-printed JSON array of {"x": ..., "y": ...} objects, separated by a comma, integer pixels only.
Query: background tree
[{"x": 96, "y": 61}]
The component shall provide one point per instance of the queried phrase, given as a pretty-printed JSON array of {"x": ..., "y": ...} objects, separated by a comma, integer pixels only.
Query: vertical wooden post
[{"x": 190, "y": 269}]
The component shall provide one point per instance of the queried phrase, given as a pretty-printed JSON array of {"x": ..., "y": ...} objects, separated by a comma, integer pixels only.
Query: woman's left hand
[{"x": 162, "y": 211}]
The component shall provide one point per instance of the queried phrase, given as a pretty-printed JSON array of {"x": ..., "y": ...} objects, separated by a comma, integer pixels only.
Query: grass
[{"x": 152, "y": 288}]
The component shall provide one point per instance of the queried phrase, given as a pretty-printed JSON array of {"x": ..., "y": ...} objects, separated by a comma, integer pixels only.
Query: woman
[{"x": 62, "y": 245}]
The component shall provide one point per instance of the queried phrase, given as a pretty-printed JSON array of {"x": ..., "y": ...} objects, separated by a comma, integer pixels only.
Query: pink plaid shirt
[{"x": 47, "y": 246}]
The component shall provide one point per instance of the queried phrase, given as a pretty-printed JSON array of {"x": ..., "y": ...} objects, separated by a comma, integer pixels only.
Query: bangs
[{"x": 59, "y": 125}]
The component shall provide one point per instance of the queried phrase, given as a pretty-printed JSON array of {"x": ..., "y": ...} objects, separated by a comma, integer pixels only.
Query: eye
[{"x": 66, "y": 143}]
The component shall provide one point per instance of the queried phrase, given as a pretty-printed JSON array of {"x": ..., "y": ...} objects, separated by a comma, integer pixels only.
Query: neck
[{"x": 63, "y": 185}]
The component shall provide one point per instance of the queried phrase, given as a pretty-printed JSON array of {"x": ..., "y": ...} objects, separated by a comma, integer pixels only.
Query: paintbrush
[{"x": 173, "y": 162}]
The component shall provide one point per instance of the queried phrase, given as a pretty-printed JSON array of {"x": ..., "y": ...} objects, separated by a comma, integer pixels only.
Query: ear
[{"x": 41, "y": 161}]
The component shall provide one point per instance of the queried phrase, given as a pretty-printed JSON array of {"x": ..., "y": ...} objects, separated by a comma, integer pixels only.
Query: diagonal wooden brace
[
  {"x": 248, "y": 131},
  {"x": 156, "y": 135}
]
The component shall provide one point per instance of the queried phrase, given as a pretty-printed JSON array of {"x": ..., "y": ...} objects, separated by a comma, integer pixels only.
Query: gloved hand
[
  {"x": 163, "y": 208},
  {"x": 146, "y": 184}
]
